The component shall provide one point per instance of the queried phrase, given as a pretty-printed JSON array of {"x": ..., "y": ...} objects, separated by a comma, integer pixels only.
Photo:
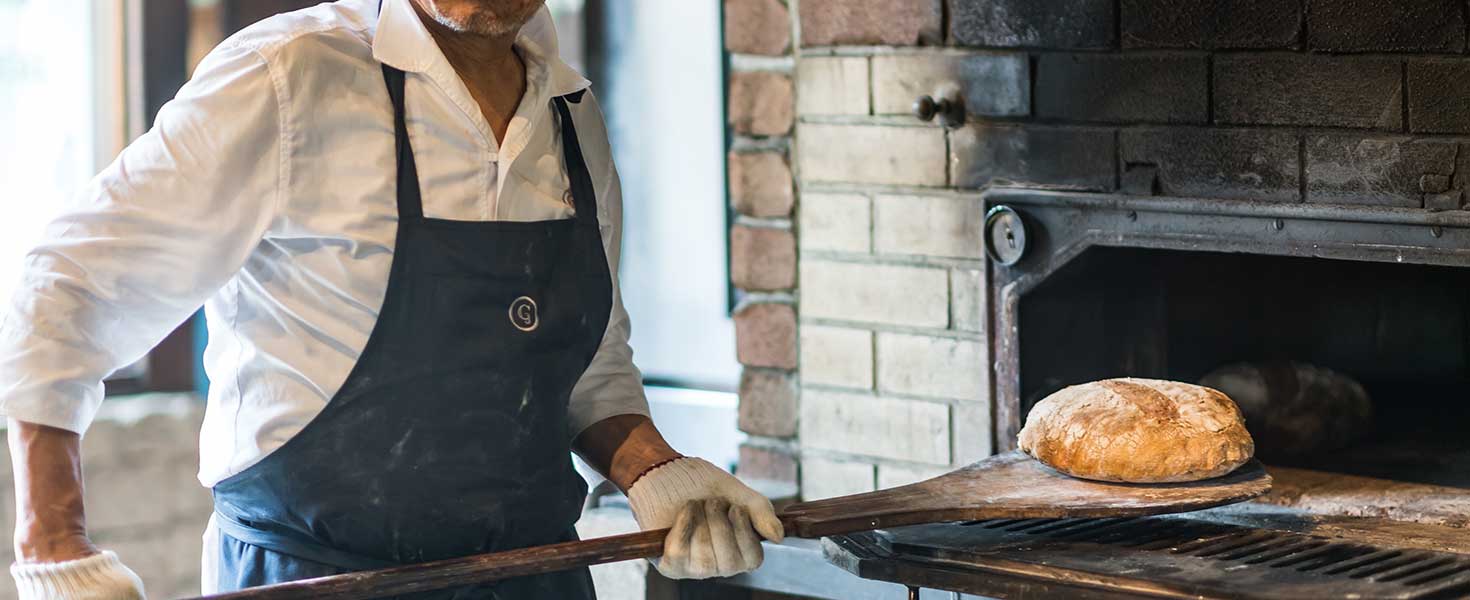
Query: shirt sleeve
[
  {"x": 612, "y": 385},
  {"x": 141, "y": 247}
]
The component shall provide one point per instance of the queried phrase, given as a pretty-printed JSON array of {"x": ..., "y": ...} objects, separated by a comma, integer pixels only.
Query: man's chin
[{"x": 484, "y": 23}]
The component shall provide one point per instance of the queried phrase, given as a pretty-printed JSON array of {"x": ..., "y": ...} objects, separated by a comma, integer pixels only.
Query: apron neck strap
[
  {"x": 584, "y": 195},
  {"x": 410, "y": 205}
]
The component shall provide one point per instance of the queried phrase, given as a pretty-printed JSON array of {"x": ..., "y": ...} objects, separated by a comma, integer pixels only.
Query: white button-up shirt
[{"x": 265, "y": 191}]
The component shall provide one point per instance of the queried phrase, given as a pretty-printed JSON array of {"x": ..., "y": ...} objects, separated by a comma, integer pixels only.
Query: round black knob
[{"x": 925, "y": 108}]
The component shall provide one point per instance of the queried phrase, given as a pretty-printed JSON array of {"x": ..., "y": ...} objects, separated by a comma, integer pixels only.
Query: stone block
[
  {"x": 760, "y": 103},
  {"x": 757, "y": 27},
  {"x": 871, "y": 22},
  {"x": 835, "y": 222},
  {"x": 1210, "y": 24},
  {"x": 1377, "y": 26},
  {"x": 824, "y": 478},
  {"x": 875, "y": 293},
  {"x": 940, "y": 367},
  {"x": 767, "y": 403},
  {"x": 929, "y": 225},
  {"x": 832, "y": 85},
  {"x": 1033, "y": 155},
  {"x": 1309, "y": 90},
  {"x": 1439, "y": 96},
  {"x": 992, "y": 84},
  {"x": 761, "y": 184},
  {"x": 1215, "y": 163},
  {"x": 974, "y": 434},
  {"x": 967, "y": 299},
  {"x": 908, "y": 430},
  {"x": 766, "y": 463},
  {"x": 871, "y": 154},
  {"x": 892, "y": 476},
  {"x": 762, "y": 258},
  {"x": 1384, "y": 171},
  {"x": 1160, "y": 88},
  {"x": 765, "y": 336},
  {"x": 837, "y": 356},
  {"x": 1032, "y": 24}
]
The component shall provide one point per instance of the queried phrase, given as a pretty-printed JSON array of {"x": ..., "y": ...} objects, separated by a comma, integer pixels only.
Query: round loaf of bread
[{"x": 1138, "y": 431}]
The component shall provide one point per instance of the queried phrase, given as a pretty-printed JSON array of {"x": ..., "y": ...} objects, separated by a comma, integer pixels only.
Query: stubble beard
[{"x": 483, "y": 22}]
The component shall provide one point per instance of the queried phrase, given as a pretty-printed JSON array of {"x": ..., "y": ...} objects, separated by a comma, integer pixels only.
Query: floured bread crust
[{"x": 1139, "y": 431}]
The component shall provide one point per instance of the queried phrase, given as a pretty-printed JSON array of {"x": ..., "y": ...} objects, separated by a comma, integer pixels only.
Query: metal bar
[{"x": 1236, "y": 208}]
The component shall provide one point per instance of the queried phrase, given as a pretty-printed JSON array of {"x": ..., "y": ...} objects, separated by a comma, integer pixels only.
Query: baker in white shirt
[{"x": 403, "y": 221}]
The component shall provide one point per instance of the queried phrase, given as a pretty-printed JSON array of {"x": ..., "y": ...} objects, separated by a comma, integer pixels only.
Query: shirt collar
[{"x": 402, "y": 42}]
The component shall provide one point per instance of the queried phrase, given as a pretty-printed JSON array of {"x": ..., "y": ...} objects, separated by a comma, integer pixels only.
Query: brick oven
[{"x": 1164, "y": 188}]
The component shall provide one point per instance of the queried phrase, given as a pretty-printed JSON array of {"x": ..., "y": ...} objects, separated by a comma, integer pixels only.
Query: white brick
[
  {"x": 871, "y": 154},
  {"x": 929, "y": 225},
  {"x": 931, "y": 366},
  {"x": 993, "y": 84},
  {"x": 893, "y": 294},
  {"x": 832, "y": 85},
  {"x": 967, "y": 299},
  {"x": 973, "y": 435},
  {"x": 911, "y": 430},
  {"x": 837, "y": 356},
  {"x": 838, "y": 222},
  {"x": 822, "y": 478},
  {"x": 891, "y": 476}
]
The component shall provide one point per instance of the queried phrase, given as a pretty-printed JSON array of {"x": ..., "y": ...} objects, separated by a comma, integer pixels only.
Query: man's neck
[{"x": 489, "y": 67}]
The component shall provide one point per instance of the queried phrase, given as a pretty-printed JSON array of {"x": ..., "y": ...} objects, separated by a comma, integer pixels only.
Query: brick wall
[{"x": 1337, "y": 101}]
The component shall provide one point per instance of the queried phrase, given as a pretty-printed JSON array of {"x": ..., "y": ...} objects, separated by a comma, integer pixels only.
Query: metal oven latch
[{"x": 1005, "y": 235}]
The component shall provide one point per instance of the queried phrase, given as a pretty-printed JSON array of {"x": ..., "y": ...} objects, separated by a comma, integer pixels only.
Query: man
[{"x": 403, "y": 221}]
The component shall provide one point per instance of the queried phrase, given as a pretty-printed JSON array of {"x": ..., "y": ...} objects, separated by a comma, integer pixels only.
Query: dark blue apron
[{"x": 449, "y": 437}]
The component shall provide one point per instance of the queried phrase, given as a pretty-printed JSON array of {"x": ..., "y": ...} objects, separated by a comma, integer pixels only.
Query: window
[
  {"x": 62, "y": 115},
  {"x": 61, "y": 89},
  {"x": 657, "y": 70}
]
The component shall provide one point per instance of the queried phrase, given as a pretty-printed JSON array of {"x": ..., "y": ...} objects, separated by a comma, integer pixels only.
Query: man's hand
[
  {"x": 54, "y": 558},
  {"x": 714, "y": 519},
  {"x": 100, "y": 576}
]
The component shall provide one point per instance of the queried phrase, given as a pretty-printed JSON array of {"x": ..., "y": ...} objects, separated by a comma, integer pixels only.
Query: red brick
[
  {"x": 765, "y": 336},
  {"x": 762, "y": 258},
  {"x": 761, "y": 103},
  {"x": 765, "y": 463},
  {"x": 760, "y": 184},
  {"x": 768, "y": 404},
  {"x": 757, "y": 27},
  {"x": 885, "y": 22}
]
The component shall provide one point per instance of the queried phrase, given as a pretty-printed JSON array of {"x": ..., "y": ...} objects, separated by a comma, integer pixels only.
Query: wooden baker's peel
[{"x": 1006, "y": 486}]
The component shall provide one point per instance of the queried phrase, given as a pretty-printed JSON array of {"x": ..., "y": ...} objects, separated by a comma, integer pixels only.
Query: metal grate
[{"x": 1202, "y": 557}]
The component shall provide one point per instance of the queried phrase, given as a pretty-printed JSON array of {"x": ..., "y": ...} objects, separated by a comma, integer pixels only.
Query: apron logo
[{"x": 523, "y": 314}]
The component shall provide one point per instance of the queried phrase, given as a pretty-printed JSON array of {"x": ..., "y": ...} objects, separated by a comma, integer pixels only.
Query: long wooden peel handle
[{"x": 463, "y": 571}]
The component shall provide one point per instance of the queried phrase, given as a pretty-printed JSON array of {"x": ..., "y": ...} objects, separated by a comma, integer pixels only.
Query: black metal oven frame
[{"x": 1059, "y": 226}]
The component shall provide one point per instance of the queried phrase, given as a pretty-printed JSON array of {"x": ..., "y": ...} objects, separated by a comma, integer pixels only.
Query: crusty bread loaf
[{"x": 1138, "y": 430}]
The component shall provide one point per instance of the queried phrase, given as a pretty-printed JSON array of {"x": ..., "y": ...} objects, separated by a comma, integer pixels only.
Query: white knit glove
[
  {"x": 97, "y": 577},
  {"x": 713, "y": 519}
]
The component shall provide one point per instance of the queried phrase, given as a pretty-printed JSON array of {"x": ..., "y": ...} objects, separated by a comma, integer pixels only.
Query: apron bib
[{"x": 449, "y": 437}]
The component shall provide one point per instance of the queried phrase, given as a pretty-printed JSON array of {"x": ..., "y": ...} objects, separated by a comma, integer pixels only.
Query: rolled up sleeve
[
  {"x": 132, "y": 256},
  {"x": 612, "y": 385}
]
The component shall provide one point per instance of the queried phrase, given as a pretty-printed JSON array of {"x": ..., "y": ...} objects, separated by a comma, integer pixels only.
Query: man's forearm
[
  {"x": 623, "y": 448},
  {"x": 50, "y": 525}
]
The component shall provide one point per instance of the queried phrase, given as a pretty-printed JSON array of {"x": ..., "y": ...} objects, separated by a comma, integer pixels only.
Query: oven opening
[{"x": 1399, "y": 330}]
